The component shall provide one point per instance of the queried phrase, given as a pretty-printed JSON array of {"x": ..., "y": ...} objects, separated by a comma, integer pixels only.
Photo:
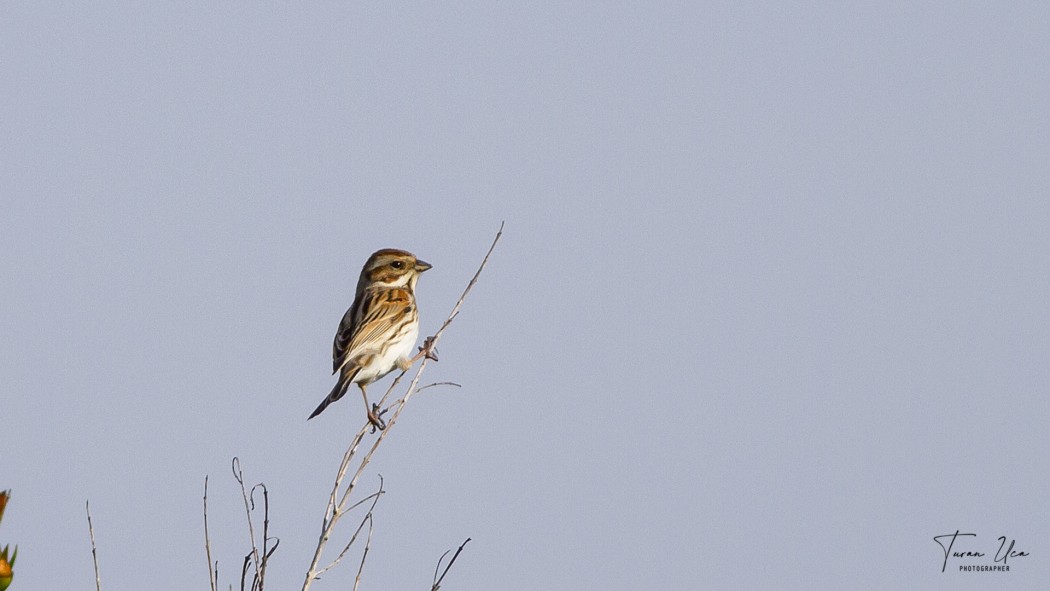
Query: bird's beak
[{"x": 422, "y": 266}]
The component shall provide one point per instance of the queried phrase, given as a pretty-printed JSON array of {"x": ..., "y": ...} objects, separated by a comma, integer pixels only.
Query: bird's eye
[{"x": 397, "y": 264}]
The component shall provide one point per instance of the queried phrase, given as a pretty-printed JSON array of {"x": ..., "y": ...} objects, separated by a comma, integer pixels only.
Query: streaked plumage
[{"x": 379, "y": 331}]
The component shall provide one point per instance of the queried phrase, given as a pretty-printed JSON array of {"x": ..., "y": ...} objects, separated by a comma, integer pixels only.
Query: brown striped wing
[{"x": 347, "y": 327}]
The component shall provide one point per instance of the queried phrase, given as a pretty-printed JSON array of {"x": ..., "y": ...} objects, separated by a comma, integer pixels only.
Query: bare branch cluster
[{"x": 257, "y": 559}]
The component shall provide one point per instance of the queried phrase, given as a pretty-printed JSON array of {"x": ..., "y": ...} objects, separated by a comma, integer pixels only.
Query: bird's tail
[{"x": 337, "y": 392}]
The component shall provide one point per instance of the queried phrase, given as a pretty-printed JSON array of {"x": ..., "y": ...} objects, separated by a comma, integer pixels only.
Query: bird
[{"x": 379, "y": 330}]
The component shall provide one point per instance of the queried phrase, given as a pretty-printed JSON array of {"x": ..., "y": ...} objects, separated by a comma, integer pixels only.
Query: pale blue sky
[{"x": 770, "y": 311}]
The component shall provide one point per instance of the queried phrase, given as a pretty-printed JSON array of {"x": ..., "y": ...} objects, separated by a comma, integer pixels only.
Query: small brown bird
[{"x": 380, "y": 329}]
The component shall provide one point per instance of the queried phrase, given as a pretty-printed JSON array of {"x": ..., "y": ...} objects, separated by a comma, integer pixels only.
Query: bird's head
[{"x": 392, "y": 268}]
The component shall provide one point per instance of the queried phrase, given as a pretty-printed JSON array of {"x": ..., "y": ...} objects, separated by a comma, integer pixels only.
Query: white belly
[{"x": 385, "y": 361}]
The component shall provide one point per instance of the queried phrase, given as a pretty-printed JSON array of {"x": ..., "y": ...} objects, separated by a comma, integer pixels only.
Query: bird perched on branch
[{"x": 378, "y": 332}]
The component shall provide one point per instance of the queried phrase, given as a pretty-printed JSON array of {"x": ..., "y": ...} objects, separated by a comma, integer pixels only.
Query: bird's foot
[
  {"x": 375, "y": 416},
  {"x": 428, "y": 350}
]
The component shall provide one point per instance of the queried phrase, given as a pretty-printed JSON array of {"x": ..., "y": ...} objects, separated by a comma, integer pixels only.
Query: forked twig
[
  {"x": 267, "y": 552},
  {"x": 374, "y": 497},
  {"x": 94, "y": 552},
  {"x": 437, "y": 579},
  {"x": 339, "y": 504},
  {"x": 236, "y": 466}
]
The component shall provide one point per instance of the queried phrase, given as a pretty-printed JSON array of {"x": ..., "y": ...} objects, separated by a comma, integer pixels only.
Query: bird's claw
[
  {"x": 375, "y": 416},
  {"x": 428, "y": 349}
]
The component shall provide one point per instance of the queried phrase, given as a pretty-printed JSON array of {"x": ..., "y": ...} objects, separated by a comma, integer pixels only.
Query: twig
[
  {"x": 244, "y": 568},
  {"x": 473, "y": 280},
  {"x": 213, "y": 571},
  {"x": 437, "y": 579},
  {"x": 421, "y": 388},
  {"x": 338, "y": 504},
  {"x": 94, "y": 552},
  {"x": 364, "y": 555},
  {"x": 258, "y": 584},
  {"x": 236, "y": 466}
]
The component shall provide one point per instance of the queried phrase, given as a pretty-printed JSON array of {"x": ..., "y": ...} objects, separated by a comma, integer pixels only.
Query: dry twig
[
  {"x": 213, "y": 568},
  {"x": 364, "y": 555},
  {"x": 94, "y": 552},
  {"x": 437, "y": 579},
  {"x": 236, "y": 466},
  {"x": 421, "y": 388}
]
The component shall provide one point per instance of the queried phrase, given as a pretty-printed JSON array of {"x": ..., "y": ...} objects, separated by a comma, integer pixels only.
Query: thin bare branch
[
  {"x": 244, "y": 569},
  {"x": 437, "y": 579},
  {"x": 94, "y": 552},
  {"x": 473, "y": 281},
  {"x": 431, "y": 385},
  {"x": 213, "y": 568},
  {"x": 249, "y": 505},
  {"x": 364, "y": 555},
  {"x": 258, "y": 585}
]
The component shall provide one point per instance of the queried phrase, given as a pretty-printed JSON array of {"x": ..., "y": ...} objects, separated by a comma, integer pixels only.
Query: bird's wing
[
  {"x": 378, "y": 323},
  {"x": 347, "y": 326}
]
